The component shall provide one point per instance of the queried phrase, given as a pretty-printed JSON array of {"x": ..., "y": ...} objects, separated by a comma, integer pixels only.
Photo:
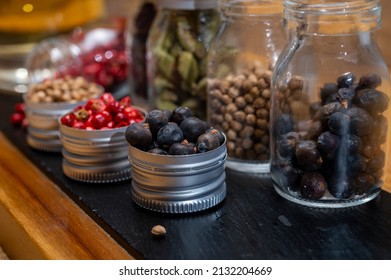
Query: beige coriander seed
[{"x": 158, "y": 231}]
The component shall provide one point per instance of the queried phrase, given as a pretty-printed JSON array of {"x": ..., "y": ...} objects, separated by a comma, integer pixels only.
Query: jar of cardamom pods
[
  {"x": 177, "y": 49},
  {"x": 240, "y": 66}
]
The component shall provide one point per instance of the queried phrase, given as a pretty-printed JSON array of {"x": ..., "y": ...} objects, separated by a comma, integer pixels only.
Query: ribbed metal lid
[
  {"x": 52, "y": 145},
  {"x": 110, "y": 173},
  {"x": 141, "y": 198},
  {"x": 188, "y": 4}
]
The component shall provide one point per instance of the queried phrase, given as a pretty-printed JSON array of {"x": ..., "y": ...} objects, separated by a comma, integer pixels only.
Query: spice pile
[
  {"x": 173, "y": 133},
  {"x": 103, "y": 113}
]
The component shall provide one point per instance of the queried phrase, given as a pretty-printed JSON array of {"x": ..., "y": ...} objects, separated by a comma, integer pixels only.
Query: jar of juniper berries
[{"x": 330, "y": 105}]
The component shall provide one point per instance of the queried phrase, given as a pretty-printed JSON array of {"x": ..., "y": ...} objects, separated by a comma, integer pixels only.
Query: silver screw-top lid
[{"x": 188, "y": 4}]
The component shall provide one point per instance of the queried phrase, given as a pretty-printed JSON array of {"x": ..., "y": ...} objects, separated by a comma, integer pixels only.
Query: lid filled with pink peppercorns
[{"x": 93, "y": 139}]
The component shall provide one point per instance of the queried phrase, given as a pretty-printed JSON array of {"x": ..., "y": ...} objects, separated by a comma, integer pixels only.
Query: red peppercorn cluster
[
  {"x": 103, "y": 113},
  {"x": 18, "y": 117},
  {"x": 105, "y": 64}
]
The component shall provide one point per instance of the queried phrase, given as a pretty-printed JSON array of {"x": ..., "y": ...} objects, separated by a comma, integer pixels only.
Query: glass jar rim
[
  {"x": 188, "y": 4},
  {"x": 250, "y": 7},
  {"x": 349, "y": 16},
  {"x": 332, "y": 6}
]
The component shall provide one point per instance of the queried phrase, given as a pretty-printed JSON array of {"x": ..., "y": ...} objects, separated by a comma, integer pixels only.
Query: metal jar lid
[
  {"x": 95, "y": 156},
  {"x": 178, "y": 184},
  {"x": 42, "y": 132},
  {"x": 47, "y": 145},
  {"x": 98, "y": 173}
]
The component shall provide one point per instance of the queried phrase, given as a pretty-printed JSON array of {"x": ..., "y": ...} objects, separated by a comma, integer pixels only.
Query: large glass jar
[
  {"x": 241, "y": 61},
  {"x": 330, "y": 105},
  {"x": 177, "y": 54}
]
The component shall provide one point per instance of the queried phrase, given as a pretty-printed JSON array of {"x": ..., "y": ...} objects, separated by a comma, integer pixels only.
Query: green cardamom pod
[
  {"x": 161, "y": 84},
  {"x": 165, "y": 62},
  {"x": 186, "y": 39},
  {"x": 187, "y": 67},
  {"x": 168, "y": 95}
]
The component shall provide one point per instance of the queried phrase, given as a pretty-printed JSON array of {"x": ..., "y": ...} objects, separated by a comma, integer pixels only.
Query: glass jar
[
  {"x": 139, "y": 25},
  {"x": 241, "y": 61},
  {"x": 177, "y": 54},
  {"x": 96, "y": 52},
  {"x": 330, "y": 105}
]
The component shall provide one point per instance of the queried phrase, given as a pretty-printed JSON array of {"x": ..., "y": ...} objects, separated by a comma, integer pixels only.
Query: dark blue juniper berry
[
  {"x": 156, "y": 120},
  {"x": 192, "y": 128},
  {"x": 207, "y": 142},
  {"x": 168, "y": 135},
  {"x": 312, "y": 185},
  {"x": 183, "y": 148},
  {"x": 139, "y": 135},
  {"x": 180, "y": 113}
]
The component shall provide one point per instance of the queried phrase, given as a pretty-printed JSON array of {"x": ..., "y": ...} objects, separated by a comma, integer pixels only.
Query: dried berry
[
  {"x": 139, "y": 135},
  {"x": 180, "y": 113},
  {"x": 168, "y": 135},
  {"x": 369, "y": 81},
  {"x": 103, "y": 113},
  {"x": 362, "y": 183},
  {"x": 168, "y": 114},
  {"x": 355, "y": 164},
  {"x": 192, "y": 128},
  {"x": 218, "y": 133},
  {"x": 287, "y": 144},
  {"x": 379, "y": 130},
  {"x": 183, "y": 148},
  {"x": 156, "y": 120},
  {"x": 377, "y": 163},
  {"x": 328, "y": 144},
  {"x": 313, "y": 185},
  {"x": 353, "y": 143},
  {"x": 307, "y": 155},
  {"x": 346, "y": 80},
  {"x": 17, "y": 119},
  {"x": 292, "y": 175},
  {"x": 207, "y": 142},
  {"x": 360, "y": 121},
  {"x": 372, "y": 100},
  {"x": 327, "y": 110},
  {"x": 339, "y": 123},
  {"x": 158, "y": 231},
  {"x": 284, "y": 124},
  {"x": 339, "y": 186}
]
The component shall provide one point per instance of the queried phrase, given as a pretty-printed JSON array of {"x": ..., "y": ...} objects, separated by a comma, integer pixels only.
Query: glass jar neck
[
  {"x": 332, "y": 17},
  {"x": 250, "y": 8},
  {"x": 188, "y": 4}
]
